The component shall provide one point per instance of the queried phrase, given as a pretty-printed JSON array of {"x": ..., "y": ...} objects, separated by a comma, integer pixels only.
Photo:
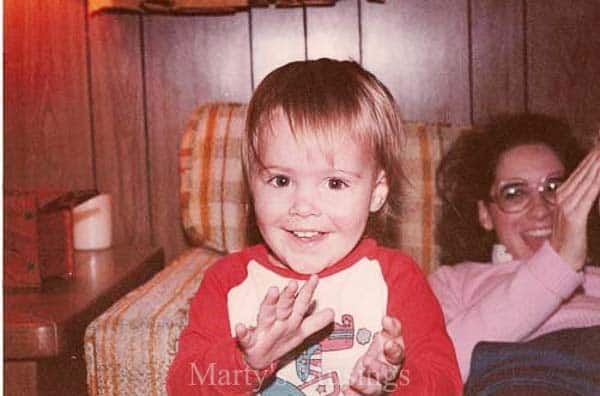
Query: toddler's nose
[{"x": 305, "y": 203}]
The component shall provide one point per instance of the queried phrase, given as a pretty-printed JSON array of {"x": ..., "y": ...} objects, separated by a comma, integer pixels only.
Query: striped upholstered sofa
[{"x": 130, "y": 347}]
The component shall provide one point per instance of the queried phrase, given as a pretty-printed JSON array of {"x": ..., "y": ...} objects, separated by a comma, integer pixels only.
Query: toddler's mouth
[{"x": 307, "y": 235}]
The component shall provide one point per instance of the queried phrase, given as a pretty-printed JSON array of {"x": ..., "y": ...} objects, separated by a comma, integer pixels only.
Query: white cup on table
[{"x": 92, "y": 223}]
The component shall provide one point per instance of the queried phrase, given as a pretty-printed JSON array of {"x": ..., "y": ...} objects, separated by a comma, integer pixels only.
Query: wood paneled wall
[{"x": 101, "y": 101}]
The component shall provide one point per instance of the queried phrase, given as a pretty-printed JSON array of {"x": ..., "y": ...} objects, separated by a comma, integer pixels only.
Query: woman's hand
[
  {"x": 575, "y": 199},
  {"x": 282, "y": 324},
  {"x": 376, "y": 371}
]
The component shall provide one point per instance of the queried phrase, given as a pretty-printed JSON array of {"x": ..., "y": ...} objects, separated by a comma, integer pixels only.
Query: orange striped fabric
[
  {"x": 205, "y": 170},
  {"x": 129, "y": 348},
  {"x": 427, "y": 197},
  {"x": 425, "y": 145},
  {"x": 223, "y": 189},
  {"x": 212, "y": 198}
]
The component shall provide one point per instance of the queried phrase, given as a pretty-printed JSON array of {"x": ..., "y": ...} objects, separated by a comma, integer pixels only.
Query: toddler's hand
[
  {"x": 376, "y": 371},
  {"x": 282, "y": 324}
]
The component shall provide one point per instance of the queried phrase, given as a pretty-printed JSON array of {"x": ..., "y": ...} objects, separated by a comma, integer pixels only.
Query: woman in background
[{"x": 517, "y": 218}]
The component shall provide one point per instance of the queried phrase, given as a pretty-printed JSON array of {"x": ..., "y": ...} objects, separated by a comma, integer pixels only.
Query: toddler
[{"x": 318, "y": 308}]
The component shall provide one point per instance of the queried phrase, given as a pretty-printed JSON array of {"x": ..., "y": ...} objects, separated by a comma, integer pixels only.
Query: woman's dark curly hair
[{"x": 467, "y": 172}]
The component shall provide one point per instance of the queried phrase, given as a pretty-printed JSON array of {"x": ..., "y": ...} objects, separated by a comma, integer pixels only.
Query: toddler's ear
[{"x": 380, "y": 192}]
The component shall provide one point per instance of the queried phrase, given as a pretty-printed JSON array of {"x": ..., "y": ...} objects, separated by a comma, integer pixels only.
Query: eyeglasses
[{"x": 516, "y": 195}]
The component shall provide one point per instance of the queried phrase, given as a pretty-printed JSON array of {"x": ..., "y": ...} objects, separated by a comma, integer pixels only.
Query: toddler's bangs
[{"x": 330, "y": 131}]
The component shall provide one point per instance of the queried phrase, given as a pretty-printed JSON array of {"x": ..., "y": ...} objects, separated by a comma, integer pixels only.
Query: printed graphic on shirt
[
  {"x": 309, "y": 363},
  {"x": 363, "y": 336},
  {"x": 281, "y": 387},
  {"x": 323, "y": 385},
  {"x": 342, "y": 336}
]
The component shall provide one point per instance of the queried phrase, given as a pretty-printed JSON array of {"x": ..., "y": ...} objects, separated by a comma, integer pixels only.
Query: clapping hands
[
  {"x": 284, "y": 321},
  {"x": 575, "y": 199}
]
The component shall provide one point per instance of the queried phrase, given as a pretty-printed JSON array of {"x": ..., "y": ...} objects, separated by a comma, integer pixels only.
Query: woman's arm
[
  {"x": 514, "y": 306},
  {"x": 591, "y": 281}
]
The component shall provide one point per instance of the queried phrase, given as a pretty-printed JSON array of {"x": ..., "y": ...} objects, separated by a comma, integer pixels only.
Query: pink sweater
[{"x": 514, "y": 301}]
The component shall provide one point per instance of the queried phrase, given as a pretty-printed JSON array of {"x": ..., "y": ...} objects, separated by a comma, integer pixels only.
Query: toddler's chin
[{"x": 307, "y": 268}]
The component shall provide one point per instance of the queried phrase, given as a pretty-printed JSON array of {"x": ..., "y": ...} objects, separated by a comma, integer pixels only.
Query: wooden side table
[{"x": 44, "y": 328}]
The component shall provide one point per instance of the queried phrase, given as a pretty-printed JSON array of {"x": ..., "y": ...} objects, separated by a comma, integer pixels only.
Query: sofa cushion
[
  {"x": 213, "y": 201},
  {"x": 426, "y": 144},
  {"x": 212, "y": 198}
]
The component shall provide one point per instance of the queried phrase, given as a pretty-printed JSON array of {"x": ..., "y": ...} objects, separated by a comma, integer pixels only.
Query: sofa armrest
[{"x": 128, "y": 349}]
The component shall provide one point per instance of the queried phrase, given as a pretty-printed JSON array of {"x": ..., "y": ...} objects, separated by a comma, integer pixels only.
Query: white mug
[{"x": 92, "y": 223}]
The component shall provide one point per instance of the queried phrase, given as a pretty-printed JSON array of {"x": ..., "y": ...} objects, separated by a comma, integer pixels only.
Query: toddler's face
[{"x": 311, "y": 207}]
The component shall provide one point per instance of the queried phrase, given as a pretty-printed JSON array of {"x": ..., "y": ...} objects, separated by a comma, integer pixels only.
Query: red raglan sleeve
[
  {"x": 208, "y": 361},
  {"x": 430, "y": 365}
]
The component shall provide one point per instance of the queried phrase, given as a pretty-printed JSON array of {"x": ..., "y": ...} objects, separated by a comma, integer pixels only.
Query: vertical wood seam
[
  {"x": 470, "y": 65},
  {"x": 360, "y": 31},
  {"x": 525, "y": 58},
  {"x": 88, "y": 58},
  {"x": 252, "y": 82},
  {"x": 304, "y": 26},
  {"x": 146, "y": 130}
]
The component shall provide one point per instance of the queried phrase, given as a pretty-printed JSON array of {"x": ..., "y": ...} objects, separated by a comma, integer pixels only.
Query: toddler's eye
[
  {"x": 279, "y": 181},
  {"x": 336, "y": 184}
]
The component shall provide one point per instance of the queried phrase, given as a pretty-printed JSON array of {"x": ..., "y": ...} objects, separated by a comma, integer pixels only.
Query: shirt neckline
[{"x": 363, "y": 248}]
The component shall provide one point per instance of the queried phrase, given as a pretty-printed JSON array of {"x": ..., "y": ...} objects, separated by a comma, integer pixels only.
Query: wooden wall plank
[
  {"x": 277, "y": 38},
  {"x": 333, "y": 32},
  {"x": 47, "y": 134},
  {"x": 119, "y": 135},
  {"x": 498, "y": 46},
  {"x": 419, "y": 49},
  {"x": 189, "y": 60},
  {"x": 563, "y": 41}
]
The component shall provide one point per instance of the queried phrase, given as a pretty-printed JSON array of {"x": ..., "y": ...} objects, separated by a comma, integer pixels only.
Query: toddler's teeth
[{"x": 305, "y": 234}]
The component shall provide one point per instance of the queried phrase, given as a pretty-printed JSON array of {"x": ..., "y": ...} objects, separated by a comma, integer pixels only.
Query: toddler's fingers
[
  {"x": 393, "y": 350},
  {"x": 304, "y": 297},
  {"x": 391, "y": 327},
  {"x": 358, "y": 368},
  {"x": 286, "y": 300},
  {"x": 267, "y": 310},
  {"x": 243, "y": 336},
  {"x": 315, "y": 322},
  {"x": 380, "y": 371},
  {"x": 365, "y": 385}
]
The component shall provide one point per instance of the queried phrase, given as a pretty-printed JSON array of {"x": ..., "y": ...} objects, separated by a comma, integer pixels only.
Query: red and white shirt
[{"x": 367, "y": 284}]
